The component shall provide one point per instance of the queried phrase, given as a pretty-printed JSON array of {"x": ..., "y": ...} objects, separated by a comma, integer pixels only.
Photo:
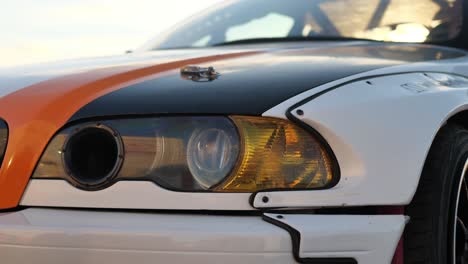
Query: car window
[
  {"x": 271, "y": 25},
  {"x": 384, "y": 20}
]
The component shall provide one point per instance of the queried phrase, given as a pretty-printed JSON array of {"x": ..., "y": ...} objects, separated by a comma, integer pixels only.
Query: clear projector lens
[{"x": 212, "y": 154}]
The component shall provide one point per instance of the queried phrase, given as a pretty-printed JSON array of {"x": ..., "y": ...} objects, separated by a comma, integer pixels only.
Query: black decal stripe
[
  {"x": 252, "y": 85},
  {"x": 246, "y": 94},
  {"x": 291, "y": 116},
  {"x": 296, "y": 242}
]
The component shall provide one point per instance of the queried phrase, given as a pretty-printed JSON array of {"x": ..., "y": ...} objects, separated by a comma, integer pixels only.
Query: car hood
[{"x": 252, "y": 78}]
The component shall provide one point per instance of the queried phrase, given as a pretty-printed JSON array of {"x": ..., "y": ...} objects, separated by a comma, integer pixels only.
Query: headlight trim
[{"x": 108, "y": 178}]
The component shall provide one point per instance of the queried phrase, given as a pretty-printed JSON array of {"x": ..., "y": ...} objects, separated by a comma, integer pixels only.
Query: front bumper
[{"x": 76, "y": 237}]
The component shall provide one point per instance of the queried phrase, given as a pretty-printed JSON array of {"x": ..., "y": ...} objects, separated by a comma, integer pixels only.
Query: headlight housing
[{"x": 208, "y": 153}]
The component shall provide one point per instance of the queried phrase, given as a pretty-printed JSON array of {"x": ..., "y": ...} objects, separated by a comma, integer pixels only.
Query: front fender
[{"x": 380, "y": 129}]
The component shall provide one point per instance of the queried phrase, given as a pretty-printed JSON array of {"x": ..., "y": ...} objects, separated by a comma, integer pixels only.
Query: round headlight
[
  {"x": 212, "y": 154},
  {"x": 92, "y": 156}
]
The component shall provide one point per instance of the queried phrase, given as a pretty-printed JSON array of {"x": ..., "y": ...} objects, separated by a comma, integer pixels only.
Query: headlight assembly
[{"x": 216, "y": 154}]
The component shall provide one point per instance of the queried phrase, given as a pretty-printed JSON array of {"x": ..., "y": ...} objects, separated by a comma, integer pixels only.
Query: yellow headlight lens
[{"x": 277, "y": 154}]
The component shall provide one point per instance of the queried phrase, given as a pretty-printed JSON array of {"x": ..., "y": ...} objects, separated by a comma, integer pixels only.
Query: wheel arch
[{"x": 457, "y": 117}]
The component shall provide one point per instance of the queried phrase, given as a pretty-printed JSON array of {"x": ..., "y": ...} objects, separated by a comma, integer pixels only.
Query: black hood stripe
[{"x": 252, "y": 85}]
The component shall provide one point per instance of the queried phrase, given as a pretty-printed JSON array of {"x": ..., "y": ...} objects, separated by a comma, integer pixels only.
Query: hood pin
[{"x": 199, "y": 74}]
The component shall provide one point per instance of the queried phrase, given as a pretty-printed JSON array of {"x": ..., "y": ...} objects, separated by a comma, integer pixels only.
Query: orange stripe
[{"x": 34, "y": 114}]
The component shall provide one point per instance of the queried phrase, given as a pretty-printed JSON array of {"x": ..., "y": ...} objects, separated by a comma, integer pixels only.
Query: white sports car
[{"x": 260, "y": 131}]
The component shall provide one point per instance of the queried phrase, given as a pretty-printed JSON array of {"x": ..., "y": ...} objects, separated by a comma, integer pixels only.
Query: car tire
[{"x": 429, "y": 236}]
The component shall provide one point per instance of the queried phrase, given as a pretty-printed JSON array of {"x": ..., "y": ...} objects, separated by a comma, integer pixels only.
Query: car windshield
[{"x": 381, "y": 20}]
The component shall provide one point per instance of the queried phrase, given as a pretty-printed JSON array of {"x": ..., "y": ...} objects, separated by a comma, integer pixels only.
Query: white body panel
[
  {"x": 369, "y": 239},
  {"x": 78, "y": 237},
  {"x": 129, "y": 195},
  {"x": 380, "y": 133}
]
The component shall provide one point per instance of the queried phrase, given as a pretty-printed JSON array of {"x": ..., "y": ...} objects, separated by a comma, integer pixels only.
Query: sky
[{"x": 33, "y": 31}]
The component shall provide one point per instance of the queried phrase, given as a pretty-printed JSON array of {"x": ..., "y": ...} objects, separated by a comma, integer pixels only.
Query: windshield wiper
[{"x": 290, "y": 39}]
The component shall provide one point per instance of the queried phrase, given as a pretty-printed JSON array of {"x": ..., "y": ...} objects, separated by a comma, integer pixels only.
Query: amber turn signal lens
[{"x": 277, "y": 154}]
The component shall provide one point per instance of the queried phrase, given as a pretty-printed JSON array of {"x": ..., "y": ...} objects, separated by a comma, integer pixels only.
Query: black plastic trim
[
  {"x": 3, "y": 149},
  {"x": 18, "y": 208},
  {"x": 296, "y": 242}
]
